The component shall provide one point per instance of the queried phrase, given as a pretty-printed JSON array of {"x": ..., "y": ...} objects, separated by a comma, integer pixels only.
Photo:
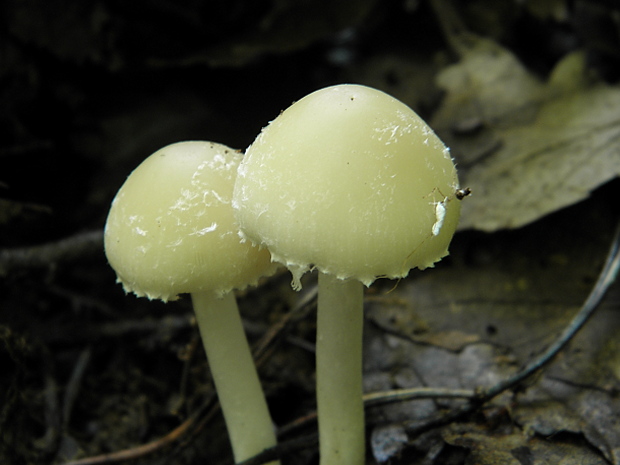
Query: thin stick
[
  {"x": 606, "y": 278},
  {"x": 140, "y": 451},
  {"x": 477, "y": 399},
  {"x": 50, "y": 254}
]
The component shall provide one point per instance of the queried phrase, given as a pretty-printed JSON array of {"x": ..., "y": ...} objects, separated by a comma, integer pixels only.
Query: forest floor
[{"x": 526, "y": 96}]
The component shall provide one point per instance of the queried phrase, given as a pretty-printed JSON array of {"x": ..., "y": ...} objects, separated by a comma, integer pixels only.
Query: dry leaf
[
  {"x": 387, "y": 442},
  {"x": 554, "y": 407},
  {"x": 517, "y": 448},
  {"x": 526, "y": 149}
]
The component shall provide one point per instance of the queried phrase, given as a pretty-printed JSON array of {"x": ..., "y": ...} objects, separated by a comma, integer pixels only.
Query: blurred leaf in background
[{"x": 524, "y": 147}]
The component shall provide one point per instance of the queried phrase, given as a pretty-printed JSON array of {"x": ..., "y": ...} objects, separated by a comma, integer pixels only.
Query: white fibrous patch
[
  {"x": 140, "y": 231},
  {"x": 185, "y": 201},
  {"x": 175, "y": 243},
  {"x": 220, "y": 198},
  {"x": 219, "y": 159},
  {"x": 392, "y": 132},
  {"x": 242, "y": 170},
  {"x": 218, "y": 163},
  {"x": 204, "y": 231},
  {"x": 440, "y": 216}
]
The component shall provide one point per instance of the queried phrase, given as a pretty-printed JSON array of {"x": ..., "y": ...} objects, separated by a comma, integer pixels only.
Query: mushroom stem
[
  {"x": 238, "y": 388},
  {"x": 340, "y": 407}
]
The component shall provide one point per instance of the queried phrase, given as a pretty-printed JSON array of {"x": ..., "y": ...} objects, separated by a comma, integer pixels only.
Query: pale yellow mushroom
[
  {"x": 353, "y": 183},
  {"x": 171, "y": 230}
]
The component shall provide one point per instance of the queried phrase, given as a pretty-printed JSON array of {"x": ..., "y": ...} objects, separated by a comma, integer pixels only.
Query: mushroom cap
[
  {"x": 171, "y": 227},
  {"x": 352, "y": 182}
]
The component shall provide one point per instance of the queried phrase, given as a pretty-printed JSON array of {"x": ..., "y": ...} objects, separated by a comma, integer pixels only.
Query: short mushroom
[
  {"x": 171, "y": 230},
  {"x": 353, "y": 183}
]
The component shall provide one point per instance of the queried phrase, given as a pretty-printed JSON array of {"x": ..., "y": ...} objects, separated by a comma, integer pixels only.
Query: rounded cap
[
  {"x": 351, "y": 181},
  {"x": 171, "y": 228}
]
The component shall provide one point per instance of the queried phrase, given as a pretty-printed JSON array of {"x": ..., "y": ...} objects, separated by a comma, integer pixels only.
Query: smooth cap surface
[
  {"x": 351, "y": 181},
  {"x": 171, "y": 227}
]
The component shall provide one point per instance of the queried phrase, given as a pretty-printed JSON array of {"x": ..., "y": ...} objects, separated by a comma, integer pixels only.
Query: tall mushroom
[
  {"x": 353, "y": 183},
  {"x": 171, "y": 230}
]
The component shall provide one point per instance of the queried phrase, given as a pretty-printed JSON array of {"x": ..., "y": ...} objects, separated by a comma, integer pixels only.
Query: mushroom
[
  {"x": 353, "y": 183},
  {"x": 171, "y": 230}
]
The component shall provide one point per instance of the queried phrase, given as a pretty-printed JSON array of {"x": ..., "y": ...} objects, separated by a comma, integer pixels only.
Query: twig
[
  {"x": 261, "y": 349},
  {"x": 606, "y": 277},
  {"x": 74, "y": 384},
  {"x": 139, "y": 451},
  {"x": 399, "y": 395},
  {"x": 372, "y": 399},
  {"x": 49, "y": 440},
  {"x": 476, "y": 399},
  {"x": 49, "y": 255},
  {"x": 196, "y": 422},
  {"x": 283, "y": 449},
  {"x": 76, "y": 332}
]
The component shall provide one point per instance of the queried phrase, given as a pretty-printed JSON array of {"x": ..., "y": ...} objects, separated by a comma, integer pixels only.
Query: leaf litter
[
  {"x": 505, "y": 306},
  {"x": 525, "y": 147}
]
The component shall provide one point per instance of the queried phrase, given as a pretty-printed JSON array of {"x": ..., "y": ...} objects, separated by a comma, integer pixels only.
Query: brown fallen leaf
[
  {"x": 407, "y": 324},
  {"x": 517, "y": 448},
  {"x": 556, "y": 406},
  {"x": 526, "y": 148},
  {"x": 449, "y": 340}
]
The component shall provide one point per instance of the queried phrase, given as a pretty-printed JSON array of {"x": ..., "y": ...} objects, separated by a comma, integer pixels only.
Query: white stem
[
  {"x": 339, "y": 371},
  {"x": 238, "y": 388}
]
